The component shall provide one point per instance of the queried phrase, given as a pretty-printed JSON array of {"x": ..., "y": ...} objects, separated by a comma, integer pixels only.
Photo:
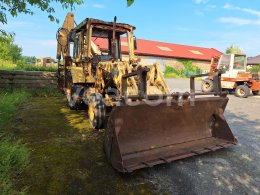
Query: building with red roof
[{"x": 166, "y": 53}]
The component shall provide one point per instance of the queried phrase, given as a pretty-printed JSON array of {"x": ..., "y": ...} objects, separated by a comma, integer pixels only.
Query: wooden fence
[{"x": 27, "y": 79}]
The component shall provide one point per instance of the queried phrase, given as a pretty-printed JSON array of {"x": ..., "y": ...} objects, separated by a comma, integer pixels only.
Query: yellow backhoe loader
[{"x": 144, "y": 123}]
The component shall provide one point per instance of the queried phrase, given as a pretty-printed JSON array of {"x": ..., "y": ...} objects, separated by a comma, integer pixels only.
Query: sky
[{"x": 205, "y": 23}]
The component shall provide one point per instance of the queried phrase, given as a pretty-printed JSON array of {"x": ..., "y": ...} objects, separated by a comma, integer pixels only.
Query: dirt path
[{"x": 67, "y": 154}]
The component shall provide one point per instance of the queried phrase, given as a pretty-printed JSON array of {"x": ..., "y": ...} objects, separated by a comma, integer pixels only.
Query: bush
[
  {"x": 255, "y": 69},
  {"x": 7, "y": 65},
  {"x": 172, "y": 70},
  {"x": 172, "y": 75},
  {"x": 186, "y": 72}
]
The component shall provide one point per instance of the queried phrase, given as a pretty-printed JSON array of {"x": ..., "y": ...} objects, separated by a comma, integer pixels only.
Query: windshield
[
  {"x": 103, "y": 46},
  {"x": 239, "y": 62}
]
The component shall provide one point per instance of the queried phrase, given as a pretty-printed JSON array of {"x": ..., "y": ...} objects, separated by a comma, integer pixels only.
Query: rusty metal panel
[{"x": 77, "y": 75}]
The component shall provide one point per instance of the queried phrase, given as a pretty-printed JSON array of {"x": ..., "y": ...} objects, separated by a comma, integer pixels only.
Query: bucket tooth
[
  {"x": 196, "y": 152},
  {"x": 210, "y": 149},
  {"x": 164, "y": 159},
  {"x": 147, "y": 164}
]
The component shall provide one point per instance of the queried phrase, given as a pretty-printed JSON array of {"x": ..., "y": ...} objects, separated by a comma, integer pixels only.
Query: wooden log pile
[{"x": 27, "y": 79}]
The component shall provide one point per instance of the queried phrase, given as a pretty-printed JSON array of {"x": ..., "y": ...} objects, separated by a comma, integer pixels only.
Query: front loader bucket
[{"x": 144, "y": 136}]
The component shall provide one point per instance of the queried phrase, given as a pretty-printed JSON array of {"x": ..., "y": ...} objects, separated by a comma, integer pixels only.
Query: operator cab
[
  {"x": 232, "y": 62},
  {"x": 102, "y": 39}
]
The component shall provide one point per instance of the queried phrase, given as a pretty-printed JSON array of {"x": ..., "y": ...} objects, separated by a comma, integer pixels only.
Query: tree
[
  {"x": 15, "y": 7},
  {"x": 234, "y": 49},
  {"x": 8, "y": 50},
  {"x": 28, "y": 60}
]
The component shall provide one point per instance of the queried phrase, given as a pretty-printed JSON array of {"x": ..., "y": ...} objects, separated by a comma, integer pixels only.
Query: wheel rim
[
  {"x": 207, "y": 85},
  {"x": 241, "y": 92},
  {"x": 91, "y": 113}
]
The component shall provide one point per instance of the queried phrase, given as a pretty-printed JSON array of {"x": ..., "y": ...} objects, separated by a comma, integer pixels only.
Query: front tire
[
  {"x": 96, "y": 111},
  {"x": 74, "y": 94},
  {"x": 255, "y": 92},
  {"x": 207, "y": 85},
  {"x": 242, "y": 91}
]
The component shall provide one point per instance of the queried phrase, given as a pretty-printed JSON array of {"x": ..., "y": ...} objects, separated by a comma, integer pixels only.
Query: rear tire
[
  {"x": 255, "y": 92},
  {"x": 207, "y": 85},
  {"x": 242, "y": 91},
  {"x": 96, "y": 111}
]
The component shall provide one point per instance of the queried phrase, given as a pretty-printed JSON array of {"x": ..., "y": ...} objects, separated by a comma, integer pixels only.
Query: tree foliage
[
  {"x": 9, "y": 51},
  {"x": 234, "y": 49},
  {"x": 15, "y": 7},
  {"x": 129, "y": 2},
  {"x": 29, "y": 60}
]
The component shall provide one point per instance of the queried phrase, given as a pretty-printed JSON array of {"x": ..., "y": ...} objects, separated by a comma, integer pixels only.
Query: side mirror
[{"x": 135, "y": 43}]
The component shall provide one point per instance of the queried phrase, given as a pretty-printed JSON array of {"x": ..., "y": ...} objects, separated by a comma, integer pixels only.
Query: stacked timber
[{"x": 27, "y": 79}]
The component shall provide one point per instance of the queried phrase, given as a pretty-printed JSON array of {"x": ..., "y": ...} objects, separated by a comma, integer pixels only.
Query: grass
[
  {"x": 68, "y": 156},
  {"x": 7, "y": 65},
  {"x": 9, "y": 100},
  {"x": 14, "y": 158},
  {"x": 14, "y": 155},
  {"x": 36, "y": 68},
  {"x": 45, "y": 92}
]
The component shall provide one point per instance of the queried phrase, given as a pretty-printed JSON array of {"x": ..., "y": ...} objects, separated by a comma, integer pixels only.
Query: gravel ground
[{"x": 235, "y": 170}]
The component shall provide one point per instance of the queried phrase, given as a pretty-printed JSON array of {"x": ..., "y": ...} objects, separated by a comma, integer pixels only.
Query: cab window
[
  {"x": 224, "y": 63},
  {"x": 239, "y": 62}
]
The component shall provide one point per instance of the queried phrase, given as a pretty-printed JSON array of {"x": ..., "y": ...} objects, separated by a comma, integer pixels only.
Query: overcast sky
[{"x": 206, "y": 23}]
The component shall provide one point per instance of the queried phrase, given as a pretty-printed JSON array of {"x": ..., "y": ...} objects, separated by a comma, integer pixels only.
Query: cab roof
[{"x": 100, "y": 24}]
